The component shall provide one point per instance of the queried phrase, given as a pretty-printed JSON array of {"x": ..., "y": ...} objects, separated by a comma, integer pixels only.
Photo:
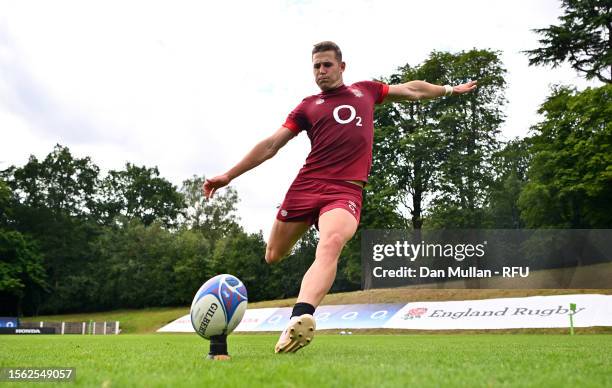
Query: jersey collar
[{"x": 337, "y": 90}]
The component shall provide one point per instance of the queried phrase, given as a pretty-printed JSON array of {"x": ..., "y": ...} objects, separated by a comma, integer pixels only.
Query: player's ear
[{"x": 342, "y": 66}]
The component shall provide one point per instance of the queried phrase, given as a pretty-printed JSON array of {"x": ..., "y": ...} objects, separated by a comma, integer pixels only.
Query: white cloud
[{"x": 190, "y": 86}]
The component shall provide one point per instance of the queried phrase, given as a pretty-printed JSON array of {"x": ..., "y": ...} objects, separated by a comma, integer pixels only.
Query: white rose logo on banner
[{"x": 415, "y": 313}]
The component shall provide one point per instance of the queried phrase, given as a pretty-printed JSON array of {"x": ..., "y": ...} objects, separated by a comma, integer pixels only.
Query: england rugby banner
[
  {"x": 504, "y": 313},
  {"x": 510, "y": 313}
]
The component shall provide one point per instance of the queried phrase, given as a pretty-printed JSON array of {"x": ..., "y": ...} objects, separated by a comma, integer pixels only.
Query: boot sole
[{"x": 301, "y": 334}]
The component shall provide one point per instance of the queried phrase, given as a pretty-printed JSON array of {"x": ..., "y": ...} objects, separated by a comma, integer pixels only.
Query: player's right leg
[
  {"x": 338, "y": 221},
  {"x": 336, "y": 227},
  {"x": 282, "y": 238}
]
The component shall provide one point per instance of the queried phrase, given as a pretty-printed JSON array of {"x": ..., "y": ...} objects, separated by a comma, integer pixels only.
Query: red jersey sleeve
[
  {"x": 377, "y": 90},
  {"x": 297, "y": 120}
]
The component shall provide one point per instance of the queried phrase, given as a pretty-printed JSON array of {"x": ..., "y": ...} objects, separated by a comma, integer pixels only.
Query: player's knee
[
  {"x": 273, "y": 255},
  {"x": 333, "y": 242}
]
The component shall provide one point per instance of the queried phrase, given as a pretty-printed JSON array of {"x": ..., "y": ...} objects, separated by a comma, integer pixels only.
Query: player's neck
[{"x": 334, "y": 89}]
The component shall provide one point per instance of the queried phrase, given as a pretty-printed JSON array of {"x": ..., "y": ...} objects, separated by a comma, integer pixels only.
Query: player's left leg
[
  {"x": 336, "y": 227},
  {"x": 283, "y": 237}
]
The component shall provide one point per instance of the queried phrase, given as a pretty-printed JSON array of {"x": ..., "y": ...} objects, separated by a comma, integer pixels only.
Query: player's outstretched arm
[
  {"x": 419, "y": 90},
  {"x": 262, "y": 151}
]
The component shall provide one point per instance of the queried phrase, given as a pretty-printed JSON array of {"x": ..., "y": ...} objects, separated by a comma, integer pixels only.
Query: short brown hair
[{"x": 328, "y": 45}]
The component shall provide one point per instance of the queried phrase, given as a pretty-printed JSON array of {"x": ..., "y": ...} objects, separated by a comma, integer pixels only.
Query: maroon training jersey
[{"x": 340, "y": 126}]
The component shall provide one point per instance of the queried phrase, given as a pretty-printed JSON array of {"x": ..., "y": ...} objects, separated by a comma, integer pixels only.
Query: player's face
[{"x": 327, "y": 70}]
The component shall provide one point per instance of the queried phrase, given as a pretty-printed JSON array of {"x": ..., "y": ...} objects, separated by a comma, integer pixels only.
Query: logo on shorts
[
  {"x": 352, "y": 206},
  {"x": 284, "y": 213},
  {"x": 319, "y": 101}
]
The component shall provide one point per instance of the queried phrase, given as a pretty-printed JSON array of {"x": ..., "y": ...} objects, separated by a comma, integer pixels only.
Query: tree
[
  {"x": 61, "y": 183},
  {"x": 242, "y": 255},
  {"x": 21, "y": 268},
  {"x": 193, "y": 263},
  {"x": 139, "y": 192},
  {"x": 510, "y": 166},
  {"x": 5, "y": 204},
  {"x": 55, "y": 205},
  {"x": 570, "y": 177},
  {"x": 583, "y": 38},
  {"x": 70, "y": 241},
  {"x": 470, "y": 127},
  {"x": 215, "y": 217},
  {"x": 406, "y": 151},
  {"x": 437, "y": 149},
  {"x": 136, "y": 266}
]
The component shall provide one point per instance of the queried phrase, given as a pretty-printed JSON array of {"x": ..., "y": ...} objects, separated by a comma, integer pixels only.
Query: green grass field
[{"x": 482, "y": 360}]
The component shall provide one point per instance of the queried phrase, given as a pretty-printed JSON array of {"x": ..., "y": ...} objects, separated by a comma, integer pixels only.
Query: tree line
[{"x": 73, "y": 239}]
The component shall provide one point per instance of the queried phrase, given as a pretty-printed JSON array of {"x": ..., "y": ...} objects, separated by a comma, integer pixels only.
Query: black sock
[{"x": 301, "y": 309}]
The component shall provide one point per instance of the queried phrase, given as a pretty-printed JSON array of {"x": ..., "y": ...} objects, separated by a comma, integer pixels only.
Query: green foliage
[
  {"x": 470, "y": 129},
  {"x": 407, "y": 152},
  {"x": 242, "y": 254},
  {"x": 438, "y": 151},
  {"x": 60, "y": 183},
  {"x": 62, "y": 205},
  {"x": 583, "y": 38},
  {"x": 192, "y": 264},
  {"x": 5, "y": 204},
  {"x": 146, "y": 266},
  {"x": 20, "y": 264},
  {"x": 139, "y": 192},
  {"x": 287, "y": 275},
  {"x": 215, "y": 217},
  {"x": 433, "y": 157},
  {"x": 509, "y": 166},
  {"x": 570, "y": 177}
]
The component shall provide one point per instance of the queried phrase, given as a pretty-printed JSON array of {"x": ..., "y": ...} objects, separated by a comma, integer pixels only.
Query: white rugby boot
[{"x": 298, "y": 334}]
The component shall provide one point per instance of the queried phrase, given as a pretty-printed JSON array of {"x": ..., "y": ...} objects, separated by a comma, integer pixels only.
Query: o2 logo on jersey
[{"x": 351, "y": 117}]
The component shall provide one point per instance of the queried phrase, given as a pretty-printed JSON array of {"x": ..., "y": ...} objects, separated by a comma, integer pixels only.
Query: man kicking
[{"x": 327, "y": 191}]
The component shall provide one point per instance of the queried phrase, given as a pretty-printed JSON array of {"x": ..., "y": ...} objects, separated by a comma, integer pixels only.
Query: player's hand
[
  {"x": 211, "y": 185},
  {"x": 465, "y": 88}
]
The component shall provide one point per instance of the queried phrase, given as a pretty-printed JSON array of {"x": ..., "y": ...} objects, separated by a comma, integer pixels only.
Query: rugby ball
[{"x": 218, "y": 306}]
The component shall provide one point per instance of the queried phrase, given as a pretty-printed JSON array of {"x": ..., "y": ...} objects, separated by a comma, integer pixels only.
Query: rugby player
[{"x": 327, "y": 191}]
